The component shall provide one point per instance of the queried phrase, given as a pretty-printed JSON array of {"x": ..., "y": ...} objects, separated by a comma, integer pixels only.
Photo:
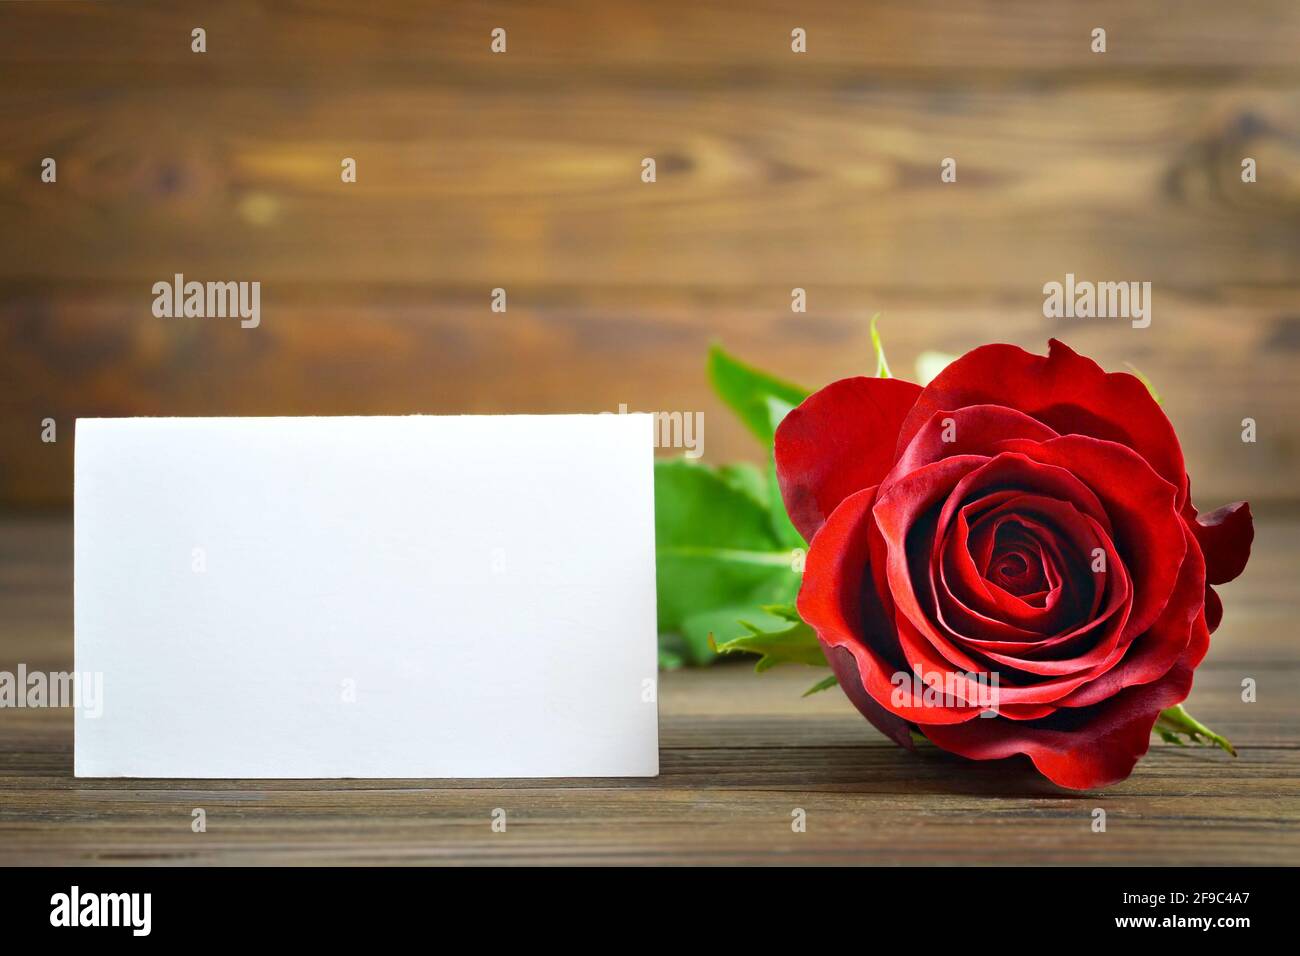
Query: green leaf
[
  {"x": 718, "y": 558},
  {"x": 672, "y": 652},
  {"x": 777, "y": 409},
  {"x": 1176, "y": 723},
  {"x": 882, "y": 366},
  {"x": 793, "y": 643},
  {"x": 747, "y": 479},
  {"x": 826, "y": 683},
  {"x": 786, "y": 612},
  {"x": 746, "y": 391},
  {"x": 782, "y": 527},
  {"x": 722, "y": 624},
  {"x": 725, "y": 546},
  {"x": 785, "y": 530}
]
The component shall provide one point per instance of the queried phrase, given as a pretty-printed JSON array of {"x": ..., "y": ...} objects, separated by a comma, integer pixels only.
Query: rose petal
[
  {"x": 845, "y": 666},
  {"x": 1150, "y": 656},
  {"x": 840, "y": 440},
  {"x": 898, "y": 511},
  {"x": 903, "y": 499},
  {"x": 904, "y": 514},
  {"x": 1110, "y": 611},
  {"x": 1065, "y": 391},
  {"x": 1225, "y": 537},
  {"x": 974, "y": 430},
  {"x": 1089, "y": 644},
  {"x": 1213, "y": 609},
  {"x": 838, "y": 601},
  {"x": 1072, "y": 592},
  {"x": 1147, "y": 527},
  {"x": 1078, "y": 749}
]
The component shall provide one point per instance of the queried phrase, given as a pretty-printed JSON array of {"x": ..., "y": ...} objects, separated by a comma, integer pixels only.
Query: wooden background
[
  {"x": 774, "y": 171},
  {"x": 522, "y": 171}
]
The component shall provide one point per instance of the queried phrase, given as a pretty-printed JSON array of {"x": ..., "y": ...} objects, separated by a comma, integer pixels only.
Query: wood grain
[
  {"x": 739, "y": 752},
  {"x": 522, "y": 171},
  {"x": 507, "y": 187},
  {"x": 643, "y": 41},
  {"x": 775, "y": 171},
  {"x": 70, "y": 350}
]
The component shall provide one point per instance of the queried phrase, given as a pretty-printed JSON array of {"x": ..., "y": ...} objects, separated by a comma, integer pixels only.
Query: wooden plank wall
[{"x": 522, "y": 171}]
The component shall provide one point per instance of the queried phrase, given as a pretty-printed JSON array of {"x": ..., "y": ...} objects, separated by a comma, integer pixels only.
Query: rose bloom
[{"x": 1023, "y": 519}]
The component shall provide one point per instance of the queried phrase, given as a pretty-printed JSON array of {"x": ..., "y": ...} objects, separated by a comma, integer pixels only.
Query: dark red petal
[
  {"x": 1225, "y": 536},
  {"x": 923, "y": 654},
  {"x": 974, "y": 430},
  {"x": 903, "y": 499},
  {"x": 1065, "y": 391},
  {"x": 845, "y": 666},
  {"x": 1151, "y": 655},
  {"x": 904, "y": 516},
  {"x": 1015, "y": 466},
  {"x": 1090, "y": 640},
  {"x": 1213, "y": 609},
  {"x": 1198, "y": 646},
  {"x": 838, "y": 600},
  {"x": 840, "y": 440},
  {"x": 1079, "y": 749},
  {"x": 1072, "y": 590},
  {"x": 1107, "y": 614},
  {"x": 1140, "y": 504},
  {"x": 898, "y": 507}
]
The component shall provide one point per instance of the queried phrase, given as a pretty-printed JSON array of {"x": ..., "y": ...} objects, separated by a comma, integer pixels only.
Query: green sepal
[{"x": 1175, "y": 723}]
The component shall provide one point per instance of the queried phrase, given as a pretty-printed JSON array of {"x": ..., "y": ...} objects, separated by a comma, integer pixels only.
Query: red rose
[{"x": 1021, "y": 519}]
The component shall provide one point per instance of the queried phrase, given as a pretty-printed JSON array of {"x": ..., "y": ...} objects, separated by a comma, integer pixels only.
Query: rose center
[
  {"x": 1013, "y": 566},
  {"x": 1016, "y": 564}
]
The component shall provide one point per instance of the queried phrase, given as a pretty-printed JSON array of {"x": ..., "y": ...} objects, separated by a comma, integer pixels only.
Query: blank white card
[{"x": 418, "y": 596}]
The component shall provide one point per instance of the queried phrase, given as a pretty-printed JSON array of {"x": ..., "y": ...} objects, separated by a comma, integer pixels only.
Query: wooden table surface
[{"x": 739, "y": 754}]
